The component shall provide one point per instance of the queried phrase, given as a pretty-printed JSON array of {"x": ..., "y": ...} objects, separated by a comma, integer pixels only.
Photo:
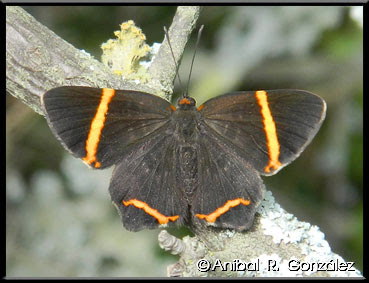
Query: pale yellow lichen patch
[{"x": 124, "y": 53}]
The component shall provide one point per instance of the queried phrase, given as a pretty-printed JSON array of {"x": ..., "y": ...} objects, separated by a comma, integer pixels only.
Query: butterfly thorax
[{"x": 186, "y": 121}]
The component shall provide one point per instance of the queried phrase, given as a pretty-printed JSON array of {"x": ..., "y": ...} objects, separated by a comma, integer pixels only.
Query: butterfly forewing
[
  {"x": 97, "y": 125},
  {"x": 267, "y": 128}
]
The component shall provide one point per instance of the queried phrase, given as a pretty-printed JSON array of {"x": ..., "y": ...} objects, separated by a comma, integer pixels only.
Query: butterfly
[{"x": 184, "y": 165}]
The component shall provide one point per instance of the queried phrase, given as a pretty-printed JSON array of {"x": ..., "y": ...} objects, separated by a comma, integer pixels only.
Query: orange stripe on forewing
[
  {"x": 162, "y": 219},
  {"x": 212, "y": 217},
  {"x": 96, "y": 127},
  {"x": 270, "y": 131},
  {"x": 200, "y": 107}
]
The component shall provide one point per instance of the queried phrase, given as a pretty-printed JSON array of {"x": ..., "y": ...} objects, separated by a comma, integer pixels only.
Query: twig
[
  {"x": 38, "y": 60},
  {"x": 179, "y": 32}
]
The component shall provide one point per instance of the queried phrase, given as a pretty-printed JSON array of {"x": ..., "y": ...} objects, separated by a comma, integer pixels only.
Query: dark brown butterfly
[{"x": 186, "y": 164}]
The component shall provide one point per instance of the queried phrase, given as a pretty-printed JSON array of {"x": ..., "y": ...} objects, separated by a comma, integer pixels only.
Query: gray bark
[{"x": 38, "y": 60}]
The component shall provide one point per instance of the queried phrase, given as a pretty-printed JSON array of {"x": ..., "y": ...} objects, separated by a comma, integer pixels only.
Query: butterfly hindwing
[
  {"x": 230, "y": 189},
  {"x": 268, "y": 128},
  {"x": 97, "y": 125},
  {"x": 144, "y": 186}
]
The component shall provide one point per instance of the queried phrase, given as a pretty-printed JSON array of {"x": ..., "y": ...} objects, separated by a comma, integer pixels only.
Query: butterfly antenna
[
  {"x": 174, "y": 59},
  {"x": 193, "y": 58}
]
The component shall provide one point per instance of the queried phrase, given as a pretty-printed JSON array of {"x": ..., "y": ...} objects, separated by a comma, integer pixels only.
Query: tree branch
[
  {"x": 38, "y": 60},
  {"x": 179, "y": 32}
]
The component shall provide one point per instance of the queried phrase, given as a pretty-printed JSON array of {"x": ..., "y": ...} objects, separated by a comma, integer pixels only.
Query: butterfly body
[{"x": 184, "y": 165}]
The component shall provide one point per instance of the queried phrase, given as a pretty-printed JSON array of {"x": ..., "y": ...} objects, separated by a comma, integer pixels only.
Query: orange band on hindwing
[
  {"x": 97, "y": 125},
  {"x": 162, "y": 219},
  {"x": 212, "y": 217},
  {"x": 270, "y": 131}
]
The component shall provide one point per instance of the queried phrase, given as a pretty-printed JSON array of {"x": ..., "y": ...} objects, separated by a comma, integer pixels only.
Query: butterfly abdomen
[{"x": 187, "y": 170}]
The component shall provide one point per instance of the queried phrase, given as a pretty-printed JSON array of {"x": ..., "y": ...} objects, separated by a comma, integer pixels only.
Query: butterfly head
[{"x": 186, "y": 103}]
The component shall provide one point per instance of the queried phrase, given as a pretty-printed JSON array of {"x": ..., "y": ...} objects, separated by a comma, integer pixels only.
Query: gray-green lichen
[{"x": 124, "y": 54}]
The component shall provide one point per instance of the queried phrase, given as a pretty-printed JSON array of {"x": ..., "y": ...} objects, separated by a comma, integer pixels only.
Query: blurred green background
[{"x": 60, "y": 221}]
